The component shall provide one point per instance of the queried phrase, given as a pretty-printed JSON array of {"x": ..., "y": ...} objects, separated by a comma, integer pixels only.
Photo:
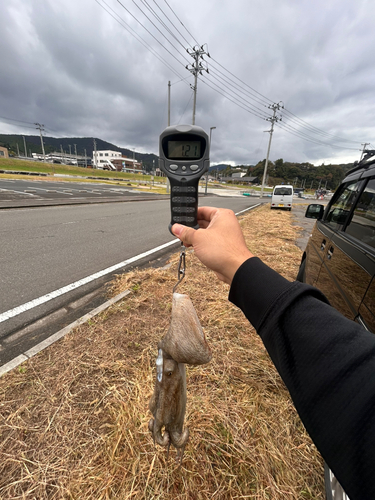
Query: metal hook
[{"x": 181, "y": 267}]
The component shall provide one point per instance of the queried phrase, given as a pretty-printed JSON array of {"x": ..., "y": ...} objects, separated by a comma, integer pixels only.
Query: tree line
[{"x": 304, "y": 174}]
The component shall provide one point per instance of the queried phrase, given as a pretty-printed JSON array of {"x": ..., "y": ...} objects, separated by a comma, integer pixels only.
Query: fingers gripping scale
[{"x": 184, "y": 156}]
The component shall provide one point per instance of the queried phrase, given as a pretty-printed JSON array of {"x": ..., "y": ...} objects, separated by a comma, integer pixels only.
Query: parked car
[
  {"x": 282, "y": 197},
  {"x": 339, "y": 258}
]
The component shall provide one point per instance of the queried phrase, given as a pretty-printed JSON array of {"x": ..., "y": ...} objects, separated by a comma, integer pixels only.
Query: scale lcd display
[{"x": 184, "y": 149}]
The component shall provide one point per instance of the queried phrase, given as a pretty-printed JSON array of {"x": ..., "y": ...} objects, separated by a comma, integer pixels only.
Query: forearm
[{"x": 326, "y": 361}]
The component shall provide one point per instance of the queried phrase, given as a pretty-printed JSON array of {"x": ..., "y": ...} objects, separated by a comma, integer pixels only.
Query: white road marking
[
  {"x": 58, "y": 335},
  {"x": 249, "y": 208},
  {"x": 14, "y": 191},
  {"x": 61, "y": 291}
]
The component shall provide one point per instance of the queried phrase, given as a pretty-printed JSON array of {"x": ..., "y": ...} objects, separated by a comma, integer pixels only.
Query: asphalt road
[{"x": 47, "y": 249}]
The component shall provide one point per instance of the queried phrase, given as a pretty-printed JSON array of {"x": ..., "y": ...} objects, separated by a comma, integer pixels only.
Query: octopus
[{"x": 184, "y": 343}]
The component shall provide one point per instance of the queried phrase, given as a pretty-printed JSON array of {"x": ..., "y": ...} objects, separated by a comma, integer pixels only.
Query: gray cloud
[{"x": 74, "y": 68}]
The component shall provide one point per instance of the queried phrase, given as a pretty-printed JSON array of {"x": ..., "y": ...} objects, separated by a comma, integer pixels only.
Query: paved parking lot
[
  {"x": 16, "y": 188},
  {"x": 18, "y": 193}
]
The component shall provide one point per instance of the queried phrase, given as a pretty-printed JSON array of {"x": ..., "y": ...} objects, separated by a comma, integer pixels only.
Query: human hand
[{"x": 218, "y": 243}]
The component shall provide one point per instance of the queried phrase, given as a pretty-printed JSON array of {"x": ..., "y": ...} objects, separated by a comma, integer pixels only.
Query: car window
[
  {"x": 362, "y": 224},
  {"x": 342, "y": 204},
  {"x": 283, "y": 191}
]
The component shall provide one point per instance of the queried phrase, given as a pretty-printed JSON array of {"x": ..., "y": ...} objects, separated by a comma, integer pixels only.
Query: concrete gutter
[{"x": 58, "y": 335}]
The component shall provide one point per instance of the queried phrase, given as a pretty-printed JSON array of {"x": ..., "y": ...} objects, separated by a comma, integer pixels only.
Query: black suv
[{"x": 340, "y": 255}]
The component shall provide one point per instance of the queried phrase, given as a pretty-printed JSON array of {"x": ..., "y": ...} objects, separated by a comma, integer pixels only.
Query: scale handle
[{"x": 184, "y": 202}]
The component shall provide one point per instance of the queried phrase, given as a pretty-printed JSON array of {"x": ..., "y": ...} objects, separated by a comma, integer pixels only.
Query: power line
[
  {"x": 171, "y": 22},
  {"x": 292, "y": 117},
  {"x": 139, "y": 38},
  {"x": 261, "y": 111},
  {"x": 266, "y": 100},
  {"x": 315, "y": 129},
  {"x": 197, "y": 43},
  {"x": 296, "y": 132},
  {"x": 17, "y": 121},
  {"x": 14, "y": 120},
  {"x": 187, "y": 104},
  {"x": 229, "y": 99},
  {"x": 148, "y": 31},
  {"x": 221, "y": 75},
  {"x": 146, "y": 4}
]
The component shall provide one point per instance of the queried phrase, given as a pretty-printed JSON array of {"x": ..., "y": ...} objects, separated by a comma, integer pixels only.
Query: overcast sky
[{"x": 70, "y": 65}]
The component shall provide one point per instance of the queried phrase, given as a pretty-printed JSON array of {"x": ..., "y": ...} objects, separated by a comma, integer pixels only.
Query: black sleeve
[{"x": 327, "y": 363}]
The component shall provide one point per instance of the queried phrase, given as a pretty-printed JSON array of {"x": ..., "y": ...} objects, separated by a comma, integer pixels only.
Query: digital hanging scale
[{"x": 184, "y": 156}]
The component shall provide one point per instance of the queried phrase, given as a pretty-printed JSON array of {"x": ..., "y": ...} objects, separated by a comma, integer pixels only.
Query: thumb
[{"x": 184, "y": 233}]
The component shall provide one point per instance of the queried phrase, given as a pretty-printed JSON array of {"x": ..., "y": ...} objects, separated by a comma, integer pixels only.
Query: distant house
[
  {"x": 103, "y": 158},
  {"x": 3, "y": 152},
  {"x": 127, "y": 165},
  {"x": 113, "y": 160}
]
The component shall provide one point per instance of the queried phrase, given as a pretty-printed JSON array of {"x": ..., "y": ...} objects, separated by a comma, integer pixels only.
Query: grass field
[
  {"x": 73, "y": 421},
  {"x": 57, "y": 169}
]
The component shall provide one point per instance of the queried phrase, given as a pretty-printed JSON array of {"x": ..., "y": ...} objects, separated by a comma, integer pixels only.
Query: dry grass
[{"x": 74, "y": 418}]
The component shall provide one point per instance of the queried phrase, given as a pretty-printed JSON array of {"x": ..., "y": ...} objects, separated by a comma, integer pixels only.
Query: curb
[
  {"x": 13, "y": 204},
  {"x": 58, "y": 335}
]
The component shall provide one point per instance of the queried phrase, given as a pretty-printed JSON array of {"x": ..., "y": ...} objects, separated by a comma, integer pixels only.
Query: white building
[{"x": 104, "y": 158}]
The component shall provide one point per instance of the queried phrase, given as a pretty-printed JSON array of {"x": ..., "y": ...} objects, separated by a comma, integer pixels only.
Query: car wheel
[
  {"x": 334, "y": 490},
  {"x": 301, "y": 276}
]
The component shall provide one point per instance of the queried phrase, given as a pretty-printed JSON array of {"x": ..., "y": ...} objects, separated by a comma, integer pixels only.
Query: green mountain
[{"x": 68, "y": 144}]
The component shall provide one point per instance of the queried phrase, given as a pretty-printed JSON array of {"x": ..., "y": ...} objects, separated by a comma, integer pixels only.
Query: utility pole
[
  {"x": 169, "y": 103},
  {"x": 363, "y": 150},
  {"x": 85, "y": 158},
  {"x": 169, "y": 123},
  {"x": 75, "y": 150},
  {"x": 41, "y": 129},
  {"x": 18, "y": 150},
  {"x": 196, "y": 68},
  {"x": 24, "y": 146},
  {"x": 273, "y": 119},
  {"x": 95, "y": 156}
]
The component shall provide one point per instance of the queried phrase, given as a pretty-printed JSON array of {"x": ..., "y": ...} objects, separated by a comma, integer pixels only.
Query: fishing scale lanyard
[{"x": 181, "y": 267}]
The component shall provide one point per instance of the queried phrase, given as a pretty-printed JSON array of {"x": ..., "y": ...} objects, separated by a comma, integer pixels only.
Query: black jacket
[{"x": 327, "y": 363}]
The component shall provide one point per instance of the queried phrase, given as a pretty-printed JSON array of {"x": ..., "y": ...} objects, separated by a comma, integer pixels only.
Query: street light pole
[{"x": 211, "y": 129}]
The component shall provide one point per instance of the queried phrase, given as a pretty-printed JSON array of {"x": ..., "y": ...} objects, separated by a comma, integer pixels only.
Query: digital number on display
[{"x": 183, "y": 149}]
